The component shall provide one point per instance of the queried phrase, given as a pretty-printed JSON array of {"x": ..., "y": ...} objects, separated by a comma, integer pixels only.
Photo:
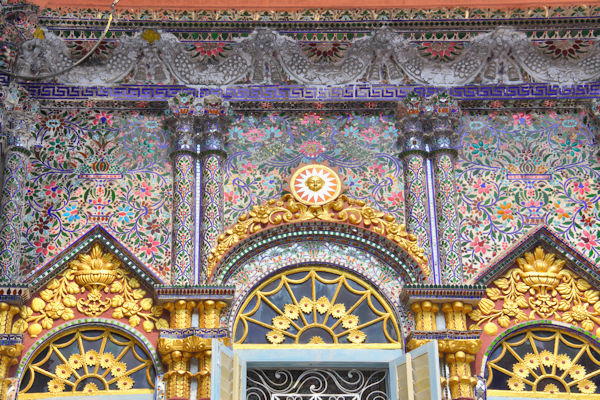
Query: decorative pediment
[
  {"x": 539, "y": 287},
  {"x": 343, "y": 210},
  {"x": 94, "y": 283},
  {"x": 95, "y": 235}
]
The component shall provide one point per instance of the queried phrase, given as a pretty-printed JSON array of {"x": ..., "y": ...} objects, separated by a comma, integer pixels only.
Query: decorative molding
[
  {"x": 341, "y": 210},
  {"x": 503, "y": 55},
  {"x": 200, "y": 292},
  {"x": 307, "y": 93},
  {"x": 415, "y": 292},
  {"x": 406, "y": 16}
]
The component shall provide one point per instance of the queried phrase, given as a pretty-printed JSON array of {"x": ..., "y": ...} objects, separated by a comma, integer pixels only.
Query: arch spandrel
[{"x": 342, "y": 210}]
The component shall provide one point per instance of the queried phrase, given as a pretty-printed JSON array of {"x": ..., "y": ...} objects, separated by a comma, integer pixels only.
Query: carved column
[
  {"x": 183, "y": 156},
  {"x": 424, "y": 313},
  {"x": 176, "y": 353},
  {"x": 17, "y": 118},
  {"x": 413, "y": 153},
  {"x": 9, "y": 354},
  {"x": 444, "y": 118},
  {"x": 457, "y": 344},
  {"x": 212, "y": 128},
  {"x": 459, "y": 354},
  {"x": 210, "y": 318}
]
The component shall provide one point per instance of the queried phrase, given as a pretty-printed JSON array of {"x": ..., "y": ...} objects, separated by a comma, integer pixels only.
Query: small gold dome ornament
[{"x": 315, "y": 184}]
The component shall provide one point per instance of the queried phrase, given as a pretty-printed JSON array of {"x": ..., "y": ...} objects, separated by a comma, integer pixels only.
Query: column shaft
[
  {"x": 184, "y": 206},
  {"x": 448, "y": 221},
  {"x": 11, "y": 213},
  {"x": 212, "y": 204},
  {"x": 416, "y": 201},
  {"x": 182, "y": 112}
]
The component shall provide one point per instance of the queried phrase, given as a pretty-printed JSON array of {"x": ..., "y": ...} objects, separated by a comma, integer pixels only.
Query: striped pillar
[
  {"x": 183, "y": 157},
  {"x": 18, "y": 116},
  {"x": 417, "y": 186},
  {"x": 213, "y": 127},
  {"x": 445, "y": 112}
]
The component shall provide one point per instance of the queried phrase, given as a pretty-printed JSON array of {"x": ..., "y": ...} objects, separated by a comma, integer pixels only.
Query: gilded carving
[
  {"x": 469, "y": 346},
  {"x": 282, "y": 323},
  {"x": 98, "y": 275},
  {"x": 343, "y": 209},
  {"x": 539, "y": 287}
]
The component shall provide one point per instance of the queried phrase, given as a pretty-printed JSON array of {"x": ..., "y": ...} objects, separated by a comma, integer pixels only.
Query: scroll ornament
[
  {"x": 540, "y": 287},
  {"x": 343, "y": 209},
  {"x": 99, "y": 275}
]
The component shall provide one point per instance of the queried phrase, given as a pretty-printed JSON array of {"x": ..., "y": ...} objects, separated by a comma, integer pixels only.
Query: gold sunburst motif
[
  {"x": 316, "y": 305},
  {"x": 79, "y": 367},
  {"x": 315, "y": 184},
  {"x": 544, "y": 360}
]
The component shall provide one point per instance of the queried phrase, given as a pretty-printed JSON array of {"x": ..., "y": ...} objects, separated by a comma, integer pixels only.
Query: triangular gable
[
  {"x": 552, "y": 243},
  {"x": 82, "y": 245}
]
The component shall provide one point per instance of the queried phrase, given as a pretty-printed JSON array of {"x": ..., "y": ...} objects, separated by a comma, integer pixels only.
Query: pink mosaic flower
[
  {"x": 254, "y": 135},
  {"x": 103, "y": 118},
  {"x": 397, "y": 198},
  {"x": 41, "y": 246},
  {"x": 144, "y": 191},
  {"x": 588, "y": 240},
  {"x": 369, "y": 134},
  {"x": 231, "y": 197},
  {"x": 150, "y": 247},
  {"x": 52, "y": 190},
  {"x": 522, "y": 119},
  {"x": 482, "y": 187},
  {"x": 312, "y": 148},
  {"x": 581, "y": 187},
  {"x": 479, "y": 245}
]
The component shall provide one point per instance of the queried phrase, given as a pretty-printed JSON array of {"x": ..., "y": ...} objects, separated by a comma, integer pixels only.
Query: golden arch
[
  {"x": 317, "y": 306},
  {"x": 341, "y": 210},
  {"x": 89, "y": 360}
]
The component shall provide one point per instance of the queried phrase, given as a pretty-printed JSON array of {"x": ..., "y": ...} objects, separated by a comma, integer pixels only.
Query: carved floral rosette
[
  {"x": 538, "y": 288},
  {"x": 93, "y": 284}
]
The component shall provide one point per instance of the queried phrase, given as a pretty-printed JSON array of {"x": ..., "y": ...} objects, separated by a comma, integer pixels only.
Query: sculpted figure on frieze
[{"x": 503, "y": 55}]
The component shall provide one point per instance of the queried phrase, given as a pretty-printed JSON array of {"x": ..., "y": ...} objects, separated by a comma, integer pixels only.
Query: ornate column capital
[
  {"x": 212, "y": 122},
  {"x": 411, "y": 124},
  {"x": 428, "y": 124},
  {"x": 18, "y": 113},
  {"x": 182, "y": 110},
  {"x": 444, "y": 113}
]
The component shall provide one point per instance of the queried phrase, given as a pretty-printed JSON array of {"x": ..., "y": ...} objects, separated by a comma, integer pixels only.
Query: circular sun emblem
[{"x": 315, "y": 184}]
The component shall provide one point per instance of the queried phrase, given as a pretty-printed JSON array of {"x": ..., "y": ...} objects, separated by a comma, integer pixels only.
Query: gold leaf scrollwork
[
  {"x": 342, "y": 209},
  {"x": 97, "y": 275},
  {"x": 540, "y": 287},
  {"x": 282, "y": 323}
]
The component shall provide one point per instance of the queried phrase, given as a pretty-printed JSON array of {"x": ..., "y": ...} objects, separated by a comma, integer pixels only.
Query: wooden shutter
[
  {"x": 225, "y": 373},
  {"x": 416, "y": 374}
]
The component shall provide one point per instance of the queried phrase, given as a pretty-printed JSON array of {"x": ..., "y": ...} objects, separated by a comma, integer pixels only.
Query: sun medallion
[{"x": 315, "y": 184}]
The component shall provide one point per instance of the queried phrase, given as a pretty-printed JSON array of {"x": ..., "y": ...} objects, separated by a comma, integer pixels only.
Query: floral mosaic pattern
[
  {"x": 568, "y": 49},
  {"x": 263, "y": 150},
  {"x": 518, "y": 171},
  {"x": 99, "y": 167}
]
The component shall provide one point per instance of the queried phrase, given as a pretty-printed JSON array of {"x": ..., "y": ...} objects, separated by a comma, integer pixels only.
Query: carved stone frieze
[{"x": 503, "y": 55}]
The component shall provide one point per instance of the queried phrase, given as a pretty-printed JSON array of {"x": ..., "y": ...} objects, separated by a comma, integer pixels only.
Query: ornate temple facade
[{"x": 356, "y": 204}]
